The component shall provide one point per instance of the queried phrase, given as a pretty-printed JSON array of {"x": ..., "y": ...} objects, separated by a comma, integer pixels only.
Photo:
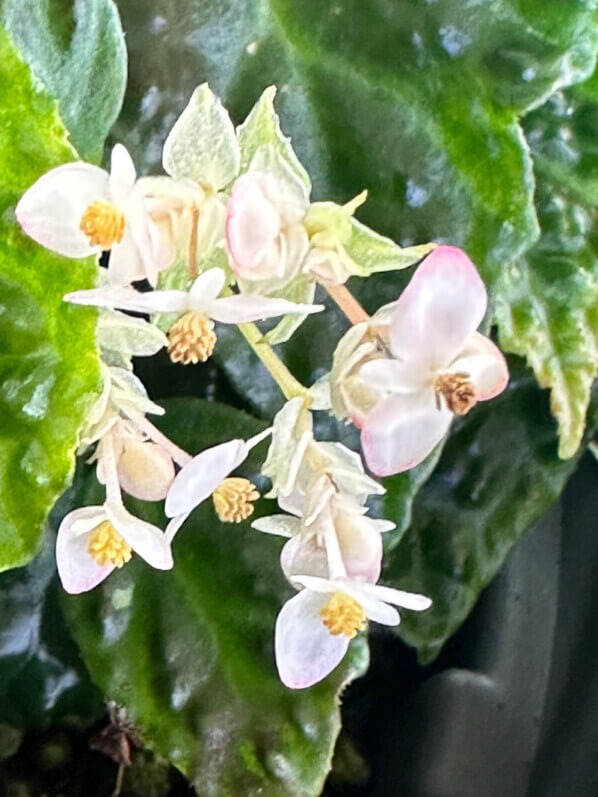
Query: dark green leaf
[
  {"x": 190, "y": 652},
  {"x": 49, "y": 371},
  {"x": 416, "y": 101},
  {"x": 42, "y": 678},
  {"x": 77, "y": 49}
]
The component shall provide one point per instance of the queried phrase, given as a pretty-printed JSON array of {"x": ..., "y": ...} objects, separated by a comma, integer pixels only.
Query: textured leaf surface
[
  {"x": 190, "y": 652},
  {"x": 410, "y": 99},
  {"x": 48, "y": 366},
  {"x": 548, "y": 307},
  {"x": 419, "y": 103},
  {"x": 498, "y": 473},
  {"x": 77, "y": 49}
]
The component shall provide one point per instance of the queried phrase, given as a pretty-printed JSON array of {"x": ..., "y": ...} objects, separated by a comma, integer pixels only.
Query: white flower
[
  {"x": 266, "y": 238},
  {"x": 145, "y": 468},
  {"x": 203, "y": 297},
  {"x": 314, "y": 628},
  {"x": 332, "y": 537},
  {"x": 79, "y": 210},
  {"x": 207, "y": 475},
  {"x": 294, "y": 459},
  {"x": 93, "y": 540},
  {"x": 349, "y": 395},
  {"x": 440, "y": 365}
]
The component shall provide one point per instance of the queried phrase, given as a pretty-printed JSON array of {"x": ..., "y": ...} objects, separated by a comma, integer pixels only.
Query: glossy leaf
[
  {"x": 49, "y": 373},
  {"x": 547, "y": 306},
  {"x": 416, "y": 101},
  {"x": 499, "y": 472},
  {"x": 190, "y": 652},
  {"x": 409, "y": 99},
  {"x": 42, "y": 679},
  {"x": 77, "y": 49}
]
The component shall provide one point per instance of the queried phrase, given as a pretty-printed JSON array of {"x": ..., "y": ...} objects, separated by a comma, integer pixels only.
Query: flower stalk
[
  {"x": 290, "y": 387},
  {"x": 345, "y": 300}
]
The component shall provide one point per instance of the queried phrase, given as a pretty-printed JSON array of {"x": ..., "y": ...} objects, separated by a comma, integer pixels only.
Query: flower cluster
[{"x": 230, "y": 236}]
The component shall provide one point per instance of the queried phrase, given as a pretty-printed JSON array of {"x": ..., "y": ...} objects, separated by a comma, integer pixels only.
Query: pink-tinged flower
[
  {"x": 314, "y": 628},
  {"x": 94, "y": 540},
  {"x": 440, "y": 365},
  {"x": 79, "y": 210},
  {"x": 144, "y": 457},
  {"x": 267, "y": 241},
  {"x": 331, "y": 537},
  {"x": 207, "y": 475}
]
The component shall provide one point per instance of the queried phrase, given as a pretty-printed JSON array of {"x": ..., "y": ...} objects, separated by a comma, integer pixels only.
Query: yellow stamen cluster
[
  {"x": 108, "y": 547},
  {"x": 233, "y": 499},
  {"x": 191, "y": 339},
  {"x": 457, "y": 391},
  {"x": 343, "y": 615},
  {"x": 103, "y": 224}
]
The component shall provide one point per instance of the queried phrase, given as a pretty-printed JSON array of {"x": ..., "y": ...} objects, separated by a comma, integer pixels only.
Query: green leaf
[
  {"x": 262, "y": 128},
  {"x": 417, "y": 101},
  {"x": 190, "y": 652},
  {"x": 49, "y": 373},
  {"x": 202, "y": 145},
  {"x": 77, "y": 50},
  {"x": 547, "y": 305},
  {"x": 371, "y": 252},
  {"x": 498, "y": 473},
  {"x": 410, "y": 99},
  {"x": 42, "y": 678}
]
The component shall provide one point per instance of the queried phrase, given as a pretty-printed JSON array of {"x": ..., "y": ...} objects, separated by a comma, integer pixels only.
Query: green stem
[{"x": 278, "y": 370}]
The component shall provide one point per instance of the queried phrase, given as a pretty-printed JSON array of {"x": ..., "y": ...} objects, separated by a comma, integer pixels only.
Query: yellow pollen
[
  {"x": 457, "y": 391},
  {"x": 191, "y": 339},
  {"x": 343, "y": 615},
  {"x": 233, "y": 500},
  {"x": 108, "y": 547},
  {"x": 103, "y": 224}
]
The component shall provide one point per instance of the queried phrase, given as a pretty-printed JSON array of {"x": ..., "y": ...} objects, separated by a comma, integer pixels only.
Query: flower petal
[
  {"x": 408, "y": 600},
  {"x": 122, "y": 174},
  {"x": 485, "y": 364},
  {"x": 78, "y": 570},
  {"x": 198, "y": 480},
  {"x": 401, "y": 431},
  {"x": 439, "y": 310},
  {"x": 125, "y": 264},
  {"x": 208, "y": 285},
  {"x": 281, "y": 525},
  {"x": 303, "y": 555},
  {"x": 393, "y": 376},
  {"x": 378, "y": 611},
  {"x": 127, "y": 298},
  {"x": 145, "y": 470},
  {"x": 360, "y": 544},
  {"x": 252, "y": 225},
  {"x": 50, "y": 212},
  {"x": 305, "y": 650},
  {"x": 145, "y": 539},
  {"x": 244, "y": 307},
  {"x": 317, "y": 583}
]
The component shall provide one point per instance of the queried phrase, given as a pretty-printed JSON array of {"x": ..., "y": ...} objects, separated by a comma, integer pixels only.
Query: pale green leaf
[
  {"x": 262, "y": 127},
  {"x": 202, "y": 145}
]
